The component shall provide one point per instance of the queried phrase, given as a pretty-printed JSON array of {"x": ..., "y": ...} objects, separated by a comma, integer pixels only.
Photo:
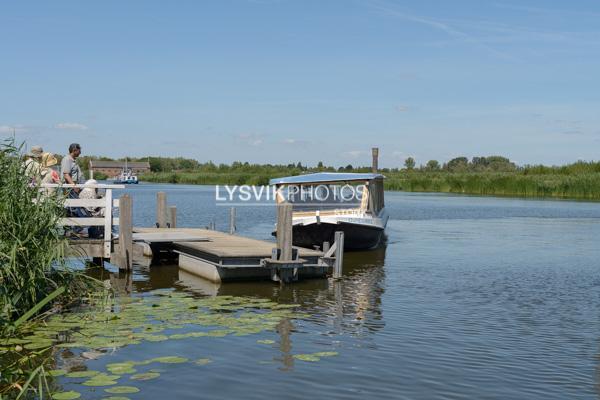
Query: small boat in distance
[
  {"x": 326, "y": 202},
  {"x": 126, "y": 176}
]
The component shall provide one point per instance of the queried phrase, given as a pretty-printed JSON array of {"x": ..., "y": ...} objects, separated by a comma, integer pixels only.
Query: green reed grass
[
  {"x": 574, "y": 182},
  {"x": 34, "y": 275}
]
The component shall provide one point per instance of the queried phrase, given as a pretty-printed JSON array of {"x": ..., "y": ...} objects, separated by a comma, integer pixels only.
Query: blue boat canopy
[{"x": 321, "y": 177}]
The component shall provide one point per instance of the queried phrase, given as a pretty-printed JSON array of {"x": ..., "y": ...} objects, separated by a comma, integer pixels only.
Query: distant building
[{"x": 114, "y": 168}]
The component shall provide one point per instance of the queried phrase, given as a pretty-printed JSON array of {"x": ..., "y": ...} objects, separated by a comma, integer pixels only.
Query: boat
[
  {"x": 126, "y": 176},
  {"x": 326, "y": 202}
]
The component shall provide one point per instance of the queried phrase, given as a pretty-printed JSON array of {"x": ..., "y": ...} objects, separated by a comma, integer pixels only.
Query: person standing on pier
[{"x": 72, "y": 174}]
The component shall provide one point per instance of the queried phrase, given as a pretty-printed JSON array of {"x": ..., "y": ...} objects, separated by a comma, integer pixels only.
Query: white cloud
[
  {"x": 356, "y": 153},
  {"x": 250, "y": 139},
  {"x": 74, "y": 126},
  {"x": 295, "y": 142},
  {"x": 13, "y": 129}
]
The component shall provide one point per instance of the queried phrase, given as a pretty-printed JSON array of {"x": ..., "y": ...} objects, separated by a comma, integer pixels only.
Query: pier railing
[{"x": 107, "y": 203}]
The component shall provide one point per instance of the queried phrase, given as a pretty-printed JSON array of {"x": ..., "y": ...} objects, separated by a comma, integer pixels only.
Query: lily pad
[
  {"x": 326, "y": 354},
  {"x": 122, "y": 390},
  {"x": 70, "y": 395},
  {"x": 102, "y": 380},
  {"x": 170, "y": 360},
  {"x": 265, "y": 341},
  {"x": 57, "y": 372},
  {"x": 82, "y": 374},
  {"x": 306, "y": 357},
  {"x": 121, "y": 368},
  {"x": 146, "y": 376}
]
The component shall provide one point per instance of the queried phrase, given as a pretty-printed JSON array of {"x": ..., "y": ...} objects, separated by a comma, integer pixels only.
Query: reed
[
  {"x": 577, "y": 181},
  {"x": 34, "y": 275}
]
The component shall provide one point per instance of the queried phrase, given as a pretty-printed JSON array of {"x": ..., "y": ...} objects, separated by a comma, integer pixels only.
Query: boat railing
[
  {"x": 108, "y": 203},
  {"x": 340, "y": 211}
]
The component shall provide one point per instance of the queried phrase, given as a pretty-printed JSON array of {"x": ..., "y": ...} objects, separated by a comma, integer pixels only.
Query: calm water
[{"x": 472, "y": 298}]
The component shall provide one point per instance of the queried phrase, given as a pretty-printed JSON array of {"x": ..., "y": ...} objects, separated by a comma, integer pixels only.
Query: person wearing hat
[
  {"x": 48, "y": 171},
  {"x": 33, "y": 162}
]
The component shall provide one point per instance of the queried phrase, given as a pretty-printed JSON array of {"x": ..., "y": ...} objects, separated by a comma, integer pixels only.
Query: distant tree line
[{"x": 481, "y": 164}]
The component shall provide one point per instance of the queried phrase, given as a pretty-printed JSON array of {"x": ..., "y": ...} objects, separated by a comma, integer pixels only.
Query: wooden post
[
  {"x": 375, "y": 165},
  {"x": 173, "y": 216},
  {"x": 232, "y": 227},
  {"x": 161, "y": 210},
  {"x": 284, "y": 231},
  {"x": 339, "y": 255},
  {"x": 125, "y": 233},
  {"x": 108, "y": 222},
  {"x": 91, "y": 168}
]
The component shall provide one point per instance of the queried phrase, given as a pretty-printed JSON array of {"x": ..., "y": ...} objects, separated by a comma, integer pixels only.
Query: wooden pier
[
  {"x": 207, "y": 253},
  {"x": 220, "y": 257}
]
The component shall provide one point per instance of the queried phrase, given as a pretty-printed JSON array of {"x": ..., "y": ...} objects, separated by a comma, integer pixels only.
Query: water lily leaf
[
  {"x": 265, "y": 341},
  {"x": 99, "y": 382},
  {"x": 70, "y": 395},
  {"x": 170, "y": 360},
  {"x": 326, "y": 354},
  {"x": 57, "y": 372},
  {"x": 156, "y": 338},
  {"x": 306, "y": 357},
  {"x": 145, "y": 376},
  {"x": 122, "y": 390},
  {"x": 218, "y": 333},
  {"x": 121, "y": 368},
  {"x": 203, "y": 361},
  {"x": 40, "y": 344},
  {"x": 82, "y": 374}
]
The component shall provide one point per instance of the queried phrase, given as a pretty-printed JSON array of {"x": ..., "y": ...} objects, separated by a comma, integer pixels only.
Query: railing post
[
  {"x": 284, "y": 231},
  {"x": 339, "y": 255},
  {"x": 125, "y": 233},
  {"x": 108, "y": 220},
  {"x": 173, "y": 216},
  {"x": 232, "y": 227},
  {"x": 161, "y": 209}
]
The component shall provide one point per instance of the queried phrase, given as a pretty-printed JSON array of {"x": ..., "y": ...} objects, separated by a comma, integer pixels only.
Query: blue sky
[{"x": 288, "y": 81}]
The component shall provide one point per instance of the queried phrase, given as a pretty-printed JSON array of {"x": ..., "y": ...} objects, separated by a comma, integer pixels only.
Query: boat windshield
[{"x": 323, "y": 196}]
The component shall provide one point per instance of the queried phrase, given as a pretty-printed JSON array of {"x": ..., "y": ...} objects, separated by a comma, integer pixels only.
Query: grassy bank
[{"x": 582, "y": 185}]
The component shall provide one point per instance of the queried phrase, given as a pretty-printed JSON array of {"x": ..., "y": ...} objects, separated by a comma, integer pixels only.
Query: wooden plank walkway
[{"x": 221, "y": 244}]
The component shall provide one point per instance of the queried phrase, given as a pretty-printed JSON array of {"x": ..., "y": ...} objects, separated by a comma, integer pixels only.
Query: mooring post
[
  {"x": 232, "y": 227},
  {"x": 125, "y": 233},
  {"x": 161, "y": 210},
  {"x": 339, "y": 255},
  {"x": 173, "y": 216},
  {"x": 284, "y": 231},
  {"x": 375, "y": 165}
]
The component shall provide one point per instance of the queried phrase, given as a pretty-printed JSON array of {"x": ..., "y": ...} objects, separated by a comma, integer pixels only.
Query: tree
[
  {"x": 409, "y": 163},
  {"x": 433, "y": 165},
  {"x": 458, "y": 164}
]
